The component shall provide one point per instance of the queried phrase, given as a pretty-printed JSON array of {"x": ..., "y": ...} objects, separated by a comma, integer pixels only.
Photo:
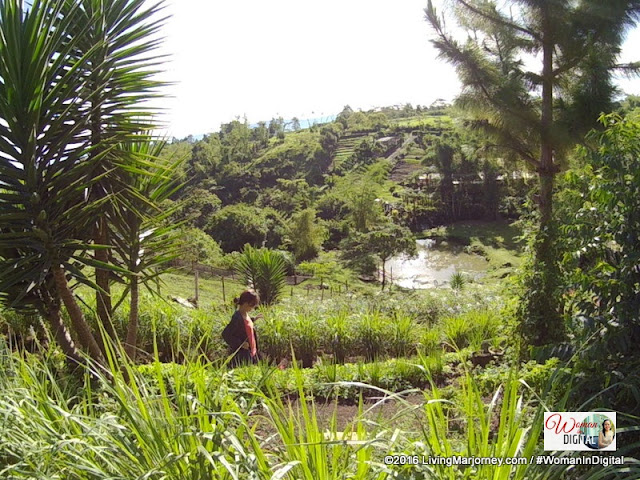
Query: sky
[{"x": 308, "y": 59}]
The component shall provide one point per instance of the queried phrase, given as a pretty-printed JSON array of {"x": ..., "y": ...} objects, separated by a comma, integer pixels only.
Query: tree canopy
[{"x": 533, "y": 78}]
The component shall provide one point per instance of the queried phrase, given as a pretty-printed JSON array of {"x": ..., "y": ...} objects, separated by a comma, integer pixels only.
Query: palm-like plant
[
  {"x": 120, "y": 65},
  {"x": 143, "y": 239},
  {"x": 457, "y": 281},
  {"x": 44, "y": 147},
  {"x": 265, "y": 271},
  {"x": 71, "y": 74}
]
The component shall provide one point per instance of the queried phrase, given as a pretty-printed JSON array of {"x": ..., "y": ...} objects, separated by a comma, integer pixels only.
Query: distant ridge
[{"x": 304, "y": 123}]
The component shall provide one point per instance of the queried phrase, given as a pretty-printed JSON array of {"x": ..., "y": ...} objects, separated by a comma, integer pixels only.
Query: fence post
[
  {"x": 194, "y": 271},
  {"x": 224, "y": 297},
  {"x": 197, "y": 286}
]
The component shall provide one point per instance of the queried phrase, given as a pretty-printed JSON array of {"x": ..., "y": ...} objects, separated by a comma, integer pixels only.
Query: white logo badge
[{"x": 580, "y": 431}]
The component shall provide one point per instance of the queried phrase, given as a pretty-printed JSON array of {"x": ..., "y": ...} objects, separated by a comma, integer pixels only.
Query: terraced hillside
[
  {"x": 346, "y": 147},
  {"x": 407, "y": 160}
]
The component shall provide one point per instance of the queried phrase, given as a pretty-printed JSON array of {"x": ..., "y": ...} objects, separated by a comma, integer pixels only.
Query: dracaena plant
[
  {"x": 143, "y": 237},
  {"x": 265, "y": 271},
  {"x": 119, "y": 46},
  {"x": 54, "y": 94},
  {"x": 44, "y": 145}
]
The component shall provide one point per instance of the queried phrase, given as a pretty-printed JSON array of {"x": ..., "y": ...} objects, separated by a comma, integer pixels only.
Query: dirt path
[
  {"x": 407, "y": 415},
  {"x": 409, "y": 140}
]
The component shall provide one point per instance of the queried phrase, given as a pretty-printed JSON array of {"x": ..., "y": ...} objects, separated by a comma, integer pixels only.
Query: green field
[
  {"x": 198, "y": 421},
  {"x": 440, "y": 121}
]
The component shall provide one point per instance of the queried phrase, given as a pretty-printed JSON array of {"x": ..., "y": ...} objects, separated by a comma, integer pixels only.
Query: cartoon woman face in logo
[{"x": 602, "y": 436}]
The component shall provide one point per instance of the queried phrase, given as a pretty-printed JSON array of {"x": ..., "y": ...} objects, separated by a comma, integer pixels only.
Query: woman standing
[{"x": 240, "y": 333}]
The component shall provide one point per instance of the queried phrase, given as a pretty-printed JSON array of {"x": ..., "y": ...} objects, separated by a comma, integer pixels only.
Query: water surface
[{"x": 434, "y": 265}]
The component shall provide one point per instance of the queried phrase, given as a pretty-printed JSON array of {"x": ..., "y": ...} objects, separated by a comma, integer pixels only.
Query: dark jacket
[{"x": 235, "y": 335}]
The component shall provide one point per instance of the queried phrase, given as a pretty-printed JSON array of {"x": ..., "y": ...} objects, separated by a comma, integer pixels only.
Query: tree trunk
[
  {"x": 104, "y": 306},
  {"x": 547, "y": 167},
  {"x": 132, "y": 329},
  {"x": 51, "y": 312},
  {"x": 542, "y": 306},
  {"x": 103, "y": 298},
  {"x": 78, "y": 321}
]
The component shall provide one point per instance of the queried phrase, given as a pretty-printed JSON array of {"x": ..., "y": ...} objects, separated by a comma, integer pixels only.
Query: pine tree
[{"x": 537, "y": 112}]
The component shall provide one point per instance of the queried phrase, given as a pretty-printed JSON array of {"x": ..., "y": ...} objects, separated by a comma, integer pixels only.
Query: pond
[{"x": 434, "y": 265}]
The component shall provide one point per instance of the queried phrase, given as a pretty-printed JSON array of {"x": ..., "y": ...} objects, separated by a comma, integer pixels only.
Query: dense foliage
[{"x": 601, "y": 226}]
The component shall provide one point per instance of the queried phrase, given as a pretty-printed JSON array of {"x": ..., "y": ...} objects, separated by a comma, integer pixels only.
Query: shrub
[
  {"x": 274, "y": 337},
  {"x": 305, "y": 337},
  {"x": 403, "y": 339},
  {"x": 430, "y": 341},
  {"x": 471, "y": 329},
  {"x": 372, "y": 335},
  {"x": 265, "y": 271},
  {"x": 339, "y": 336}
]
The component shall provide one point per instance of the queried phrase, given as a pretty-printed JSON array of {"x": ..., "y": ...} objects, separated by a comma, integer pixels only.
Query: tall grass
[
  {"x": 471, "y": 329},
  {"x": 196, "y": 421}
]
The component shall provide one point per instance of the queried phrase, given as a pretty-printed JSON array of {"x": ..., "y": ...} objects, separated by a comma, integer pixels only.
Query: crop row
[{"x": 333, "y": 330}]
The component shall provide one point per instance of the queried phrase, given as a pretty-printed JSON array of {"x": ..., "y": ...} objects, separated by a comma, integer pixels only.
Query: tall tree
[
  {"x": 307, "y": 234},
  {"x": 379, "y": 245},
  {"x": 441, "y": 152},
  {"x": 388, "y": 241},
  {"x": 526, "y": 110},
  {"x": 235, "y": 138}
]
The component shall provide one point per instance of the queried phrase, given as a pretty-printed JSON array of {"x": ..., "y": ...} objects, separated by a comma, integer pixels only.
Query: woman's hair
[
  {"x": 248, "y": 296},
  {"x": 607, "y": 420}
]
